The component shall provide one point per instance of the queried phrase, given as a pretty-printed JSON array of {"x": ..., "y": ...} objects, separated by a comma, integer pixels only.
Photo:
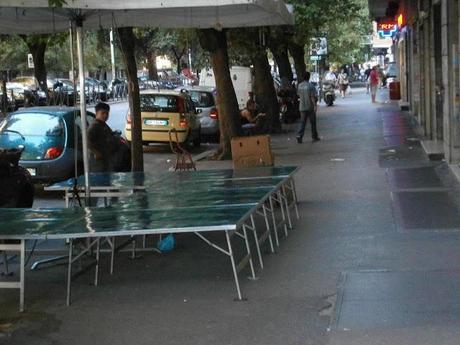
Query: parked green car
[{"x": 47, "y": 134}]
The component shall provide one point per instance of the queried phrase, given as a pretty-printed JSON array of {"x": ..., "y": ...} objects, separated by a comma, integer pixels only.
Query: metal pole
[
  {"x": 84, "y": 138},
  {"x": 112, "y": 55},
  {"x": 74, "y": 100},
  {"x": 69, "y": 271},
  {"x": 22, "y": 283},
  {"x": 72, "y": 57},
  {"x": 232, "y": 260}
]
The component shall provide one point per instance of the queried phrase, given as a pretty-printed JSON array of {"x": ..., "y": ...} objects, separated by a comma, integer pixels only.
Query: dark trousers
[{"x": 304, "y": 115}]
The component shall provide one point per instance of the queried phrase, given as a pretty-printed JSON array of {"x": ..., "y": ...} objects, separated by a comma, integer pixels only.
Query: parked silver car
[
  {"x": 26, "y": 91},
  {"x": 204, "y": 98}
]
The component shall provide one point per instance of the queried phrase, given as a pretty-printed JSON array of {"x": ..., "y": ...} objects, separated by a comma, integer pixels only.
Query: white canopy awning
[{"x": 35, "y": 16}]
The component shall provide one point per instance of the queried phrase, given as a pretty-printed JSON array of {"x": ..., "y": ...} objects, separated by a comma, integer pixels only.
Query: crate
[{"x": 253, "y": 151}]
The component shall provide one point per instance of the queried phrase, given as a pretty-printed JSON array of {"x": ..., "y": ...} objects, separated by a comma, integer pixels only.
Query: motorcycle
[
  {"x": 16, "y": 187},
  {"x": 288, "y": 107},
  {"x": 122, "y": 161},
  {"x": 329, "y": 93}
]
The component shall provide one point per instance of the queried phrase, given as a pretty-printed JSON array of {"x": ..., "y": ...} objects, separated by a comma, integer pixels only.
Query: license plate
[
  {"x": 150, "y": 122},
  {"x": 32, "y": 171}
]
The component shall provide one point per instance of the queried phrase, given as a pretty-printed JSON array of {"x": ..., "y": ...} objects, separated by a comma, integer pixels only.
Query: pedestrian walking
[
  {"x": 367, "y": 73},
  {"x": 374, "y": 83},
  {"x": 343, "y": 82},
  {"x": 308, "y": 99}
]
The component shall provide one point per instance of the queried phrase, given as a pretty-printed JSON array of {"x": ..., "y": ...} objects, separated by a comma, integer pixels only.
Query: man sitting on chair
[
  {"x": 251, "y": 115},
  {"x": 103, "y": 144}
]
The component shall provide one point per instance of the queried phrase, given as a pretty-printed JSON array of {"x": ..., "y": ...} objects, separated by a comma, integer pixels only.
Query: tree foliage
[
  {"x": 172, "y": 43},
  {"x": 57, "y": 3},
  {"x": 345, "y": 23},
  {"x": 14, "y": 50}
]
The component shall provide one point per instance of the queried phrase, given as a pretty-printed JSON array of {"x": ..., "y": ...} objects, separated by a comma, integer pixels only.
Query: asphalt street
[{"x": 373, "y": 260}]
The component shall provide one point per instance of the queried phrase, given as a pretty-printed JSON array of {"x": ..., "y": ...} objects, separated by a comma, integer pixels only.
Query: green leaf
[{"x": 57, "y": 3}]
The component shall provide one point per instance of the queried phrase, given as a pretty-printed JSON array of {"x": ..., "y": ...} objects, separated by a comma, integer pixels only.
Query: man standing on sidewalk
[
  {"x": 307, "y": 107},
  {"x": 367, "y": 73}
]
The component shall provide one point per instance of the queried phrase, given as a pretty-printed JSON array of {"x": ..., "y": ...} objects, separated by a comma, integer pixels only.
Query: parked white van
[{"x": 241, "y": 78}]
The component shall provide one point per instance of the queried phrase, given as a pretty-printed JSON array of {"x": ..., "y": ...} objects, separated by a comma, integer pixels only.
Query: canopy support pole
[
  {"x": 112, "y": 55},
  {"x": 84, "y": 133}
]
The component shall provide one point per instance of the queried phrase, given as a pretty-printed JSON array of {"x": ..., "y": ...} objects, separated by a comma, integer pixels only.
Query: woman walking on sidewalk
[
  {"x": 374, "y": 82},
  {"x": 343, "y": 82}
]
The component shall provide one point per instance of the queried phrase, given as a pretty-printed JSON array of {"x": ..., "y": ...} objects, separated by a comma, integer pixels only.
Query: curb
[{"x": 203, "y": 155}]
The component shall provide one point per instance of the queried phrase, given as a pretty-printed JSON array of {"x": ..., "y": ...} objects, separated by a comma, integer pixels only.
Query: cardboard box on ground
[{"x": 253, "y": 151}]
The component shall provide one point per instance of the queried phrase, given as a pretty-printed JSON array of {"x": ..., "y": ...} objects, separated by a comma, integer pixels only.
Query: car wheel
[{"x": 197, "y": 138}]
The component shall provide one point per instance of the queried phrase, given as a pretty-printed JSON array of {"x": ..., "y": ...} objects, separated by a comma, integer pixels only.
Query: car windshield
[
  {"x": 202, "y": 99},
  {"x": 34, "y": 124},
  {"x": 66, "y": 83},
  {"x": 25, "y": 81},
  {"x": 160, "y": 103}
]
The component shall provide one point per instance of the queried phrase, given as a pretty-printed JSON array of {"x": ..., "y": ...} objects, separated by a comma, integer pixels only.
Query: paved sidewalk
[{"x": 374, "y": 259}]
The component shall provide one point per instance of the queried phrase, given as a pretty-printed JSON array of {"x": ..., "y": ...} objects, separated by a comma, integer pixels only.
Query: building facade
[{"x": 426, "y": 49}]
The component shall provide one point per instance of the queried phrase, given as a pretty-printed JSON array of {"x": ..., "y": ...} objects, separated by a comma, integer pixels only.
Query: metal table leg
[
  {"x": 21, "y": 247},
  {"x": 286, "y": 204},
  {"x": 96, "y": 274},
  {"x": 294, "y": 196},
  {"x": 256, "y": 238},
  {"x": 5, "y": 262},
  {"x": 72, "y": 259},
  {"x": 248, "y": 248},
  {"x": 232, "y": 260},
  {"x": 38, "y": 263},
  {"x": 267, "y": 224},
  {"x": 66, "y": 199},
  {"x": 69, "y": 272},
  {"x": 22, "y": 276},
  {"x": 283, "y": 215},
  {"x": 275, "y": 227}
]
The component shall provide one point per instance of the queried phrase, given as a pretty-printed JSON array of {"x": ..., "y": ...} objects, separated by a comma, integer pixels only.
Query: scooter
[{"x": 329, "y": 93}]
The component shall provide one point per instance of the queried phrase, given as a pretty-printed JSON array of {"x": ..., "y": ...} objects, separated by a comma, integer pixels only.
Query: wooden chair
[{"x": 184, "y": 160}]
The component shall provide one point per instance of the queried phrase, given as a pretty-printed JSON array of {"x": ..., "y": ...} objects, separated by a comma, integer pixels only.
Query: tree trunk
[
  {"x": 215, "y": 42},
  {"x": 37, "y": 47},
  {"x": 297, "y": 52},
  {"x": 178, "y": 68},
  {"x": 281, "y": 56},
  {"x": 127, "y": 41},
  {"x": 278, "y": 44},
  {"x": 4, "y": 95},
  {"x": 264, "y": 89},
  {"x": 152, "y": 65},
  {"x": 178, "y": 55}
]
